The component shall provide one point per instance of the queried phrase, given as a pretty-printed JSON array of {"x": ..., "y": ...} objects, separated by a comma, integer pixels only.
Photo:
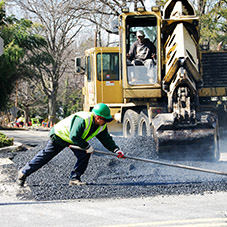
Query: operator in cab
[{"x": 143, "y": 52}]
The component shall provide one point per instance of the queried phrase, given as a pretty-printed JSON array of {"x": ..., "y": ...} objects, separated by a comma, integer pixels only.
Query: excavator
[{"x": 162, "y": 101}]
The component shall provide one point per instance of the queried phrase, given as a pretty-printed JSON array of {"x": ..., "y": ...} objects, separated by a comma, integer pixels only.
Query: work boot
[
  {"x": 76, "y": 181},
  {"x": 21, "y": 178}
]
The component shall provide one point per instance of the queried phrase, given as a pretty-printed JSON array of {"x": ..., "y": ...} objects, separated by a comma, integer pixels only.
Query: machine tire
[
  {"x": 130, "y": 124},
  {"x": 144, "y": 128}
]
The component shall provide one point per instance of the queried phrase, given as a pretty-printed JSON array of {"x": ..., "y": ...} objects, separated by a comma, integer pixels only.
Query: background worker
[
  {"x": 141, "y": 50},
  {"x": 77, "y": 129},
  {"x": 20, "y": 121}
]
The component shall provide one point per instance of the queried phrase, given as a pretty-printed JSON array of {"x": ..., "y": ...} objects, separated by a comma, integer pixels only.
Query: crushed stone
[{"x": 108, "y": 176}]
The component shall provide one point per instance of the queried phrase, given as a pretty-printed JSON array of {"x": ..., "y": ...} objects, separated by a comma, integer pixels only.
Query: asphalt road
[
  {"x": 208, "y": 209},
  {"x": 197, "y": 211},
  {"x": 28, "y": 137}
]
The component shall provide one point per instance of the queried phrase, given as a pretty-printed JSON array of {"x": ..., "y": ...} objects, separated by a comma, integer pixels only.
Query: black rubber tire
[
  {"x": 130, "y": 124},
  {"x": 144, "y": 128}
]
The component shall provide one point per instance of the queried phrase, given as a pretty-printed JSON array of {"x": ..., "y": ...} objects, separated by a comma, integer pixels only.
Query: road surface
[{"x": 208, "y": 209}]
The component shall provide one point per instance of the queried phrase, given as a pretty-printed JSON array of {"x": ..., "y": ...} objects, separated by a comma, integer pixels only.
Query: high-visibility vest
[{"x": 62, "y": 128}]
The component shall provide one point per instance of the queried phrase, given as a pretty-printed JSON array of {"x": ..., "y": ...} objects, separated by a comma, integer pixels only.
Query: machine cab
[
  {"x": 102, "y": 80},
  {"x": 139, "y": 67}
]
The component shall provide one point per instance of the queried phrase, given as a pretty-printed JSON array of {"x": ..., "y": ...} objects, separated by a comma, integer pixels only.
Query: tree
[
  {"x": 20, "y": 40},
  {"x": 213, "y": 26},
  {"x": 62, "y": 24},
  {"x": 30, "y": 98},
  {"x": 70, "y": 100},
  {"x": 101, "y": 13}
]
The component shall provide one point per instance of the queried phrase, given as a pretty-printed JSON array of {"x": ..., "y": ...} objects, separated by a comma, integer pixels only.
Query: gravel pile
[{"x": 108, "y": 176}]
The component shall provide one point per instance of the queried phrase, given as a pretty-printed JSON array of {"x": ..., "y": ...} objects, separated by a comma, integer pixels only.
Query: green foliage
[
  {"x": 21, "y": 43},
  {"x": 38, "y": 59},
  {"x": 73, "y": 102},
  {"x": 2, "y": 12},
  {"x": 5, "y": 141},
  {"x": 213, "y": 23},
  {"x": 70, "y": 101},
  {"x": 160, "y": 2}
]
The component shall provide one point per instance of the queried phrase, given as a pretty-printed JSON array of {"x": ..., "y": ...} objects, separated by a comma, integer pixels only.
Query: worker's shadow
[{"x": 141, "y": 183}]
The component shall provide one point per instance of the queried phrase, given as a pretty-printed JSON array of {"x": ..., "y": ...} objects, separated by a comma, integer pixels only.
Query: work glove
[
  {"x": 120, "y": 154},
  {"x": 90, "y": 149}
]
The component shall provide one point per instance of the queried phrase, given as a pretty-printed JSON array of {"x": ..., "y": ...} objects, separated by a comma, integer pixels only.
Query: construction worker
[
  {"x": 77, "y": 129},
  {"x": 20, "y": 121},
  {"x": 141, "y": 50}
]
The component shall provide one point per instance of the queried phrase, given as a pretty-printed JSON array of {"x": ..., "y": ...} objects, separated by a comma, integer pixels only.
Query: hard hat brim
[{"x": 108, "y": 120}]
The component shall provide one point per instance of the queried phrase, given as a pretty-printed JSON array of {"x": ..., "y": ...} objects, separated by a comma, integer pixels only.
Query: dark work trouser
[
  {"x": 81, "y": 164},
  {"x": 49, "y": 152}
]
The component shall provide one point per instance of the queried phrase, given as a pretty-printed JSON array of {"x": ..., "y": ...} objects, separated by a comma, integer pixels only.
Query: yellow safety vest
[{"x": 62, "y": 128}]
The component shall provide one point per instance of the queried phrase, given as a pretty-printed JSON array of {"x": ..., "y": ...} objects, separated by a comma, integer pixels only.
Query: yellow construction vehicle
[
  {"x": 163, "y": 99},
  {"x": 102, "y": 78}
]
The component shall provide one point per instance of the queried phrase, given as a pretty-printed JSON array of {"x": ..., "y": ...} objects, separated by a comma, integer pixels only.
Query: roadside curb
[{"x": 16, "y": 146}]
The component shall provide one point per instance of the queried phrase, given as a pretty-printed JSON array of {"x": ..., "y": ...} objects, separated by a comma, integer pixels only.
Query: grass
[{"x": 5, "y": 141}]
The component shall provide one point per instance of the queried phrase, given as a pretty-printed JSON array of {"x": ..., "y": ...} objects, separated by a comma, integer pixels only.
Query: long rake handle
[{"x": 158, "y": 162}]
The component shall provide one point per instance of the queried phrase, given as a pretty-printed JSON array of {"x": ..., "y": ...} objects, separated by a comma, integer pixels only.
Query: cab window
[
  {"x": 88, "y": 68},
  {"x": 147, "y": 24},
  {"x": 142, "y": 60},
  {"x": 107, "y": 66}
]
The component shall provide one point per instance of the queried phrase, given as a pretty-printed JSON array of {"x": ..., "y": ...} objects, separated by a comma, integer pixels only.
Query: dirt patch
[{"x": 9, "y": 190}]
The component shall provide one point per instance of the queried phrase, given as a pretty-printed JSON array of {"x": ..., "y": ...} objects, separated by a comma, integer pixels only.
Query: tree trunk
[
  {"x": 52, "y": 105},
  {"x": 26, "y": 115},
  {"x": 201, "y": 7}
]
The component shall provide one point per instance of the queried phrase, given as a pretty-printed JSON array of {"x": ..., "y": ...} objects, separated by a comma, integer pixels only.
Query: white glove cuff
[
  {"x": 116, "y": 150},
  {"x": 90, "y": 150}
]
